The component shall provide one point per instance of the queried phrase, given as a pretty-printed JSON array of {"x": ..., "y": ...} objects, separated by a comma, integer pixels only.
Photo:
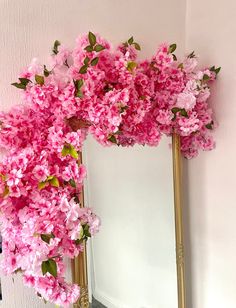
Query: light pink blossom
[{"x": 186, "y": 101}]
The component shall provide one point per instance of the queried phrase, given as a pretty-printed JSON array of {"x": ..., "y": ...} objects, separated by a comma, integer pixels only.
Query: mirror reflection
[{"x": 133, "y": 256}]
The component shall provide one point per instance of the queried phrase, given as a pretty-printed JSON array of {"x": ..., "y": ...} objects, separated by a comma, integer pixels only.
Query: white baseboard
[{"x": 106, "y": 300}]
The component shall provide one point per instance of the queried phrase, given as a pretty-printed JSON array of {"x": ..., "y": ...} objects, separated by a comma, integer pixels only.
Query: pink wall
[
  {"x": 210, "y": 181},
  {"x": 28, "y": 29}
]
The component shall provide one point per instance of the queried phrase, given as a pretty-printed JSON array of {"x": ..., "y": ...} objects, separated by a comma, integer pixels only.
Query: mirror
[{"x": 133, "y": 257}]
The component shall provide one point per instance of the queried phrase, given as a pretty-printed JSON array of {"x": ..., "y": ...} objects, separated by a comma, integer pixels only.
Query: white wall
[{"x": 211, "y": 28}]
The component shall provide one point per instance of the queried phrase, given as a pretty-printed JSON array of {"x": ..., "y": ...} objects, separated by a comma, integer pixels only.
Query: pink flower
[
  {"x": 75, "y": 138},
  {"x": 14, "y": 177},
  {"x": 35, "y": 68},
  {"x": 188, "y": 125},
  {"x": 164, "y": 117},
  {"x": 190, "y": 64},
  {"x": 75, "y": 233},
  {"x": 203, "y": 95},
  {"x": 120, "y": 100},
  {"x": 186, "y": 101},
  {"x": 40, "y": 173},
  {"x": 61, "y": 57}
]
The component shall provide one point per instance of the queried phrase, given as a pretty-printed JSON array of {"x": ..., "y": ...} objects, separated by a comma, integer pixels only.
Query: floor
[{"x": 96, "y": 304}]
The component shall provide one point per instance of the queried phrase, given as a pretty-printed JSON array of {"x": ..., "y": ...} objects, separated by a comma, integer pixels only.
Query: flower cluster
[{"x": 90, "y": 89}]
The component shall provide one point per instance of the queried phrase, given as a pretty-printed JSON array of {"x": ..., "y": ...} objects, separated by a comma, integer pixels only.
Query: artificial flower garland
[{"x": 120, "y": 101}]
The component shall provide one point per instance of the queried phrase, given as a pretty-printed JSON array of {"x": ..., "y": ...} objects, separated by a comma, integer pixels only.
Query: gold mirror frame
[{"x": 79, "y": 264}]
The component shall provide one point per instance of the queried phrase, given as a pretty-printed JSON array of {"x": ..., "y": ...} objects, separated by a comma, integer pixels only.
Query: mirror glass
[{"x": 132, "y": 259}]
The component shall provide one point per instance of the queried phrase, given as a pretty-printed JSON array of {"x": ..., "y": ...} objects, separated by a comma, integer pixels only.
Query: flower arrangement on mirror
[{"x": 120, "y": 101}]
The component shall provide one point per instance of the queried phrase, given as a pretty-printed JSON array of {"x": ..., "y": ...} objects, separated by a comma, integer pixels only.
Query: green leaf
[
  {"x": 46, "y": 72},
  {"x": 98, "y": 48},
  {"x": 42, "y": 185},
  {"x": 112, "y": 139},
  {"x": 66, "y": 63},
  {"x": 22, "y": 84},
  {"x": 130, "y": 40},
  {"x": 72, "y": 183},
  {"x": 73, "y": 152},
  {"x": 54, "y": 182},
  {"x": 68, "y": 149},
  {"x": 39, "y": 80},
  {"x": 92, "y": 38},
  {"x": 174, "y": 57},
  {"x": 175, "y": 109},
  {"x": 83, "y": 69},
  {"x": 76, "y": 199},
  {"x": 217, "y": 70},
  {"x": 46, "y": 237},
  {"x": 5, "y": 192},
  {"x": 94, "y": 61},
  {"x": 123, "y": 109},
  {"x": 65, "y": 151},
  {"x": 131, "y": 66},
  {"x": 86, "y": 230},
  {"x": 52, "y": 269},
  {"x": 55, "y": 47},
  {"x": 49, "y": 266},
  {"x": 24, "y": 81},
  {"x": 3, "y": 177},
  {"x": 81, "y": 233},
  {"x": 79, "y": 83},
  {"x": 19, "y": 85},
  {"x": 181, "y": 66},
  {"x": 172, "y": 48},
  {"x": 184, "y": 113},
  {"x": 107, "y": 88},
  {"x": 137, "y": 46},
  {"x": 18, "y": 270},
  {"x": 89, "y": 48},
  {"x": 79, "y": 94},
  {"x": 79, "y": 241},
  {"x": 86, "y": 61},
  {"x": 44, "y": 267},
  {"x": 210, "y": 125},
  {"x": 205, "y": 77},
  {"x": 191, "y": 55}
]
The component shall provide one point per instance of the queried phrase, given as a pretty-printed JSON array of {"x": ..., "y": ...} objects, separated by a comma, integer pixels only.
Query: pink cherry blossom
[
  {"x": 186, "y": 101},
  {"x": 120, "y": 100}
]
